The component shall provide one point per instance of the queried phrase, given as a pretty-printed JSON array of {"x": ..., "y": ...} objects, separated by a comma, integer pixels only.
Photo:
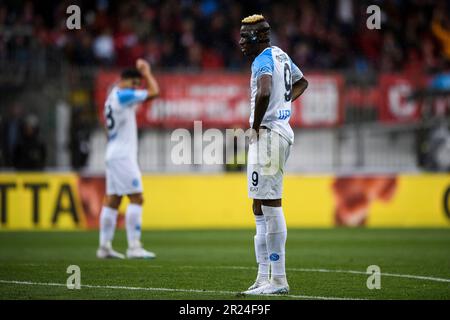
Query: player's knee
[
  {"x": 113, "y": 201},
  {"x": 257, "y": 211},
  {"x": 271, "y": 203},
  {"x": 137, "y": 199}
]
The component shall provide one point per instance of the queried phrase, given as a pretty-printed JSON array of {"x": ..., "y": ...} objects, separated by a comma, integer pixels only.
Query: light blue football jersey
[
  {"x": 120, "y": 122},
  {"x": 275, "y": 62}
]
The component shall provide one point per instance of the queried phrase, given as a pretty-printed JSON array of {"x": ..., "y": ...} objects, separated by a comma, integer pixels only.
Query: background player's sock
[
  {"x": 262, "y": 258},
  {"x": 133, "y": 219},
  {"x": 108, "y": 218},
  {"x": 276, "y": 241}
]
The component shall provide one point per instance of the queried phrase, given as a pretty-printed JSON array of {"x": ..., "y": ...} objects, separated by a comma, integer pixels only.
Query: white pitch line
[
  {"x": 52, "y": 284},
  {"x": 409, "y": 276}
]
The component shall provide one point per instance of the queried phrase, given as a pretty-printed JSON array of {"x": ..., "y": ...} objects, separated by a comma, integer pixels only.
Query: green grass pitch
[{"x": 216, "y": 264}]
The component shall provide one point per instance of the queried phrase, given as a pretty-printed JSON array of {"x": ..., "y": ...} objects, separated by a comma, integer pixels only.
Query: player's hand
[{"x": 143, "y": 66}]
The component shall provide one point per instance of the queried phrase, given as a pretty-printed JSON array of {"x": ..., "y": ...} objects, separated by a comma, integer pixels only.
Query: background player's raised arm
[
  {"x": 152, "y": 85},
  {"x": 129, "y": 93}
]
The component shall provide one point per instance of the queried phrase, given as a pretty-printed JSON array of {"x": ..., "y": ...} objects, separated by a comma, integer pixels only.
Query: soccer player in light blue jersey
[
  {"x": 123, "y": 176},
  {"x": 275, "y": 82}
]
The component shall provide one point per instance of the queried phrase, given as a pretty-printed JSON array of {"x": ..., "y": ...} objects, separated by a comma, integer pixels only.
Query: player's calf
[
  {"x": 108, "y": 219},
  {"x": 261, "y": 254},
  {"x": 133, "y": 220}
]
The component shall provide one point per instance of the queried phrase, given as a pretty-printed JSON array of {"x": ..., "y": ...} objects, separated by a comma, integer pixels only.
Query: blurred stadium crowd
[
  {"x": 43, "y": 64},
  {"x": 191, "y": 34}
]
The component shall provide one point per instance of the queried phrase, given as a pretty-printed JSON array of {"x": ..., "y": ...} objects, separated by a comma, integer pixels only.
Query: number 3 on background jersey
[
  {"x": 287, "y": 82},
  {"x": 109, "y": 118}
]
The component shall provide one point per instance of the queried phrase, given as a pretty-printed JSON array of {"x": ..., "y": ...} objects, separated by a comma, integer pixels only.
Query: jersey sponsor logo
[
  {"x": 274, "y": 257},
  {"x": 284, "y": 114}
]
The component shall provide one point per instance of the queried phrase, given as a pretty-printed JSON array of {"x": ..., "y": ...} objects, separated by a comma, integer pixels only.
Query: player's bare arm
[
  {"x": 298, "y": 88},
  {"x": 262, "y": 99},
  {"x": 152, "y": 85}
]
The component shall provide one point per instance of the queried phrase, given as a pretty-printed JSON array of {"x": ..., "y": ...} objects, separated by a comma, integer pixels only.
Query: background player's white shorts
[
  {"x": 266, "y": 160},
  {"x": 123, "y": 177}
]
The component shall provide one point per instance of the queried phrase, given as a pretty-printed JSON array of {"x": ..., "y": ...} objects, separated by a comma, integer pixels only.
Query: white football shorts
[
  {"x": 123, "y": 177},
  {"x": 265, "y": 165}
]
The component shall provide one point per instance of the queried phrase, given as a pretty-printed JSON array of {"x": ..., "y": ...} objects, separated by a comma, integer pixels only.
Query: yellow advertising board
[
  {"x": 420, "y": 200},
  {"x": 69, "y": 202},
  {"x": 40, "y": 201}
]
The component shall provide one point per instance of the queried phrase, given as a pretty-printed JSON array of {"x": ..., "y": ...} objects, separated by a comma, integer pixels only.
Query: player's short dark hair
[{"x": 130, "y": 73}]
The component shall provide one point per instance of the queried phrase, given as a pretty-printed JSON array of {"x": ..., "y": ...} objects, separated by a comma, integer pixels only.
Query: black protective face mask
[{"x": 249, "y": 38}]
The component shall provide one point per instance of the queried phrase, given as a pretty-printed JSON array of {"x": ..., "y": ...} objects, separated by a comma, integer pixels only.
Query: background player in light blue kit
[{"x": 123, "y": 176}]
